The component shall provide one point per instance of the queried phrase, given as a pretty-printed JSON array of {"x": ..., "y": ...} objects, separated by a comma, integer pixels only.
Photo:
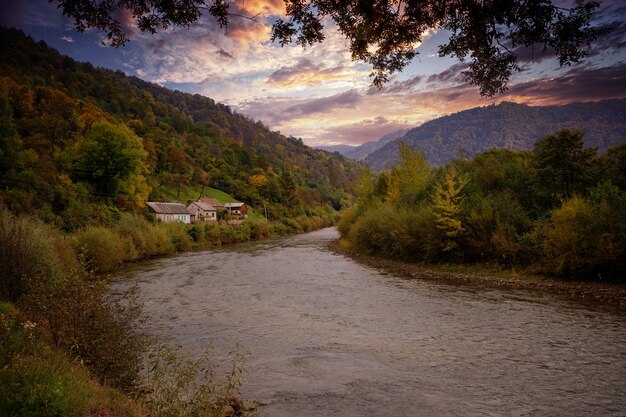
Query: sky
[{"x": 319, "y": 94}]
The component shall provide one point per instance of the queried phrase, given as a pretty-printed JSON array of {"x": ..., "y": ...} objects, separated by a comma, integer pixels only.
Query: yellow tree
[{"x": 447, "y": 200}]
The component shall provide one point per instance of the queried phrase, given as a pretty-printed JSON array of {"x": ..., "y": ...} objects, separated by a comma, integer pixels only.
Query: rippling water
[{"x": 330, "y": 337}]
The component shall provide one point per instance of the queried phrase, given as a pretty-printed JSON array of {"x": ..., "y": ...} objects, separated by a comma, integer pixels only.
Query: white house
[
  {"x": 202, "y": 212},
  {"x": 169, "y": 212}
]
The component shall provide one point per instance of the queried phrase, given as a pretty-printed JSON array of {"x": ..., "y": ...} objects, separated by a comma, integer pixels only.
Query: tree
[
  {"x": 384, "y": 33},
  {"x": 447, "y": 200},
  {"x": 562, "y": 165},
  {"x": 409, "y": 179},
  {"x": 108, "y": 156}
]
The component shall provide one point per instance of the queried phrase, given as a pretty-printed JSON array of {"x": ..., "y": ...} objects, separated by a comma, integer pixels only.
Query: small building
[
  {"x": 202, "y": 212},
  {"x": 214, "y": 202},
  {"x": 239, "y": 209},
  {"x": 169, "y": 212}
]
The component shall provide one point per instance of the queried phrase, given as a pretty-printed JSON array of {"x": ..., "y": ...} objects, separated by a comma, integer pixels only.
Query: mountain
[
  {"x": 73, "y": 136},
  {"x": 360, "y": 152},
  {"x": 341, "y": 149},
  {"x": 510, "y": 126}
]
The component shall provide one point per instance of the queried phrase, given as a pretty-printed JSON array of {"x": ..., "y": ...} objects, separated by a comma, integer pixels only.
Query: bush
[
  {"x": 37, "y": 380},
  {"x": 587, "y": 236},
  {"x": 30, "y": 251},
  {"x": 92, "y": 325},
  {"x": 101, "y": 248},
  {"x": 179, "y": 387}
]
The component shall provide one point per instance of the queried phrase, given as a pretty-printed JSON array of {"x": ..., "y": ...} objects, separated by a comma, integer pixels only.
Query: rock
[{"x": 227, "y": 411}]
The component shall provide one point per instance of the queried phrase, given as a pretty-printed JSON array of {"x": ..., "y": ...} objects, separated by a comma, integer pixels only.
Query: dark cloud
[
  {"x": 365, "y": 130},
  {"x": 578, "y": 84},
  {"x": 614, "y": 39},
  {"x": 287, "y": 74},
  {"x": 277, "y": 111},
  {"x": 453, "y": 74},
  {"x": 324, "y": 105},
  {"x": 397, "y": 86},
  {"x": 11, "y": 13},
  {"x": 224, "y": 54}
]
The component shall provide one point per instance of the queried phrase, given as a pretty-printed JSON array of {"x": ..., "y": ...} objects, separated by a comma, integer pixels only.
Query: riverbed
[{"x": 327, "y": 336}]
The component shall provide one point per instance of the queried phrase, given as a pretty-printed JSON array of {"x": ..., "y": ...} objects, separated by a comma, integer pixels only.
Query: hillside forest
[
  {"x": 81, "y": 144},
  {"x": 559, "y": 209}
]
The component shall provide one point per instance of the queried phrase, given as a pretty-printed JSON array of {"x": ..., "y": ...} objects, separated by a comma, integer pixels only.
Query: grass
[
  {"x": 38, "y": 380},
  {"x": 193, "y": 193}
]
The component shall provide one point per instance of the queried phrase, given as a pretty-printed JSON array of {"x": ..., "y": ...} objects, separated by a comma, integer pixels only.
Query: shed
[{"x": 236, "y": 208}]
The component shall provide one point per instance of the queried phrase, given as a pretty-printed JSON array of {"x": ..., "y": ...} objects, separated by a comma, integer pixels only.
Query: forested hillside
[
  {"x": 507, "y": 126},
  {"x": 74, "y": 136}
]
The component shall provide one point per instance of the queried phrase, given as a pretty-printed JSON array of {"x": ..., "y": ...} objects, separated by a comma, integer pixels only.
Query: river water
[{"x": 330, "y": 337}]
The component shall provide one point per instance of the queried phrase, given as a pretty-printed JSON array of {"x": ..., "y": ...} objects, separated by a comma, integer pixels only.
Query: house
[
  {"x": 239, "y": 209},
  {"x": 214, "y": 202},
  {"x": 202, "y": 212},
  {"x": 169, "y": 212}
]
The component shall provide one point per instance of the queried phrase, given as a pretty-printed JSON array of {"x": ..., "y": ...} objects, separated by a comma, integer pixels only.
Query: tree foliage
[
  {"x": 384, "y": 33},
  {"x": 494, "y": 209}
]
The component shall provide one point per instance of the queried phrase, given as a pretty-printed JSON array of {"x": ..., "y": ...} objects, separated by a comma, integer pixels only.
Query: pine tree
[{"x": 447, "y": 201}]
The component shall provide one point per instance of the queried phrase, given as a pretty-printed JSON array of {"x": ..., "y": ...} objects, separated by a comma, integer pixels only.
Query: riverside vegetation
[{"x": 559, "y": 210}]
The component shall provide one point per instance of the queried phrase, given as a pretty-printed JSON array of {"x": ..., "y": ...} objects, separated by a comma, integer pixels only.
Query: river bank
[
  {"x": 595, "y": 292},
  {"x": 325, "y": 334}
]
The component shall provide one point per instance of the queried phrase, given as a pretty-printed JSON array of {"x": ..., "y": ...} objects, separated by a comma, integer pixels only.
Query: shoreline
[{"x": 613, "y": 295}]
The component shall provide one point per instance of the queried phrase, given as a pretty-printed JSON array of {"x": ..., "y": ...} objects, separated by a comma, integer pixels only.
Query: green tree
[
  {"x": 109, "y": 155},
  {"x": 447, "y": 200},
  {"x": 408, "y": 180},
  {"x": 562, "y": 165}
]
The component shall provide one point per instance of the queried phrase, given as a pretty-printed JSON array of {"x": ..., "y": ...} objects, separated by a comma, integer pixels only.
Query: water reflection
[{"x": 329, "y": 337}]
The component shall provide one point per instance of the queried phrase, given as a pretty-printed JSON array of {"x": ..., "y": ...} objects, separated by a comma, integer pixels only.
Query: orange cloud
[{"x": 262, "y": 7}]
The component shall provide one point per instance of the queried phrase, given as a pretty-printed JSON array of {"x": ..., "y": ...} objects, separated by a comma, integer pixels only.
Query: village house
[
  {"x": 239, "y": 209},
  {"x": 202, "y": 212},
  {"x": 214, "y": 202},
  {"x": 169, "y": 212}
]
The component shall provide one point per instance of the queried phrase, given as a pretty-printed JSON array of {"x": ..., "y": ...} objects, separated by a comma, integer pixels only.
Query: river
[{"x": 330, "y": 337}]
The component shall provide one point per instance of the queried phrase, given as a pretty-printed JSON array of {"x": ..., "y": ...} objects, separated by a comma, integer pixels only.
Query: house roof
[
  {"x": 234, "y": 205},
  {"x": 212, "y": 201},
  {"x": 203, "y": 205},
  {"x": 167, "y": 208}
]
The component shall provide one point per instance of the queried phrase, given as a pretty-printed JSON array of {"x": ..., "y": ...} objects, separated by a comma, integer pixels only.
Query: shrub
[
  {"x": 37, "y": 380},
  {"x": 101, "y": 248},
  {"x": 177, "y": 233},
  {"x": 30, "y": 251},
  {"x": 92, "y": 325},
  {"x": 179, "y": 387},
  {"x": 587, "y": 236}
]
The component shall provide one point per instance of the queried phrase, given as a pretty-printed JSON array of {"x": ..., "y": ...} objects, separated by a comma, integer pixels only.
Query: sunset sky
[{"x": 318, "y": 93}]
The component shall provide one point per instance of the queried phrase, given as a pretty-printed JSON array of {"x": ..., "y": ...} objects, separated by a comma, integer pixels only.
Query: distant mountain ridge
[
  {"x": 362, "y": 151},
  {"x": 507, "y": 125}
]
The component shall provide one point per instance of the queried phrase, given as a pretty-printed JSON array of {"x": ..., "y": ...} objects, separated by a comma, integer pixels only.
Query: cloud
[
  {"x": 401, "y": 87},
  {"x": 263, "y": 7},
  {"x": 578, "y": 84},
  {"x": 363, "y": 131},
  {"x": 275, "y": 112},
  {"x": 307, "y": 73},
  {"x": 68, "y": 39},
  {"x": 11, "y": 13},
  {"x": 452, "y": 74}
]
